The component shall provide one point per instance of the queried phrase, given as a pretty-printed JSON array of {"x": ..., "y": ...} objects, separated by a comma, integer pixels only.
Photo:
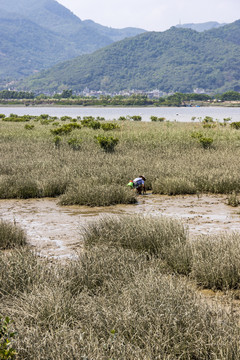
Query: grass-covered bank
[
  {"x": 119, "y": 299},
  {"x": 52, "y": 157}
]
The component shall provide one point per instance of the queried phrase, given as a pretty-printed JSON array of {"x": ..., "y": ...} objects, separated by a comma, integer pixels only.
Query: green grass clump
[
  {"x": 94, "y": 194},
  {"x": 11, "y": 236}
]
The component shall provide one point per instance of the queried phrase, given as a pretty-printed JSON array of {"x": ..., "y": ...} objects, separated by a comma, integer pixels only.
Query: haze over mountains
[
  {"x": 36, "y": 34},
  {"x": 202, "y": 26}
]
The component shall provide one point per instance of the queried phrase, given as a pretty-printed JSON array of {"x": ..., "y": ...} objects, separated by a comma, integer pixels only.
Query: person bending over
[{"x": 139, "y": 184}]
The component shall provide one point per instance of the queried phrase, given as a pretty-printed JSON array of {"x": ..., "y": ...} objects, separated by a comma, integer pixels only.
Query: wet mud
[{"x": 56, "y": 231}]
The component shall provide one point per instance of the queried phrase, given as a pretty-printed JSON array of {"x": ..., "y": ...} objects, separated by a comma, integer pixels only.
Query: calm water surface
[{"x": 182, "y": 114}]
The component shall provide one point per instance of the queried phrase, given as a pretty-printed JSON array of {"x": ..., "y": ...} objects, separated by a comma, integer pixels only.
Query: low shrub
[
  {"x": 94, "y": 194},
  {"x": 235, "y": 125},
  {"x": 44, "y": 116},
  {"x": 196, "y": 135},
  {"x": 208, "y": 119},
  {"x": 91, "y": 123},
  {"x": 155, "y": 118},
  {"x": 65, "y": 118},
  {"x": 11, "y": 236},
  {"x": 46, "y": 121},
  {"x": 227, "y": 119},
  {"x": 57, "y": 141},
  {"x": 206, "y": 142},
  {"x": 6, "y": 336},
  {"x": 75, "y": 143},
  {"x": 136, "y": 118},
  {"x": 16, "y": 118},
  {"x": 29, "y": 127},
  {"x": 65, "y": 129},
  {"x": 109, "y": 126},
  {"x": 107, "y": 143},
  {"x": 209, "y": 126}
]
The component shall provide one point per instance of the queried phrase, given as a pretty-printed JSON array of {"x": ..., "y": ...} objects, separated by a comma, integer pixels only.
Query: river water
[{"x": 181, "y": 114}]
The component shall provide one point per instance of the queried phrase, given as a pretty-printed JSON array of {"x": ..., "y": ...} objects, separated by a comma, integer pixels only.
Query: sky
[{"x": 154, "y": 15}]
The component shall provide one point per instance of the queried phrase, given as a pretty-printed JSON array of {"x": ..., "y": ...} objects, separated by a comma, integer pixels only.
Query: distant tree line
[
  {"x": 9, "y": 94},
  {"x": 68, "y": 98}
]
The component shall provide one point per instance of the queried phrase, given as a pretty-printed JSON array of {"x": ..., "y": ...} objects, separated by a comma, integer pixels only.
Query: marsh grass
[
  {"x": 110, "y": 303},
  {"x": 118, "y": 298},
  {"x": 21, "y": 270},
  {"x": 216, "y": 261},
  {"x": 232, "y": 199},
  {"x": 94, "y": 194},
  {"x": 163, "y": 237},
  {"x": 11, "y": 236},
  {"x": 170, "y": 157}
]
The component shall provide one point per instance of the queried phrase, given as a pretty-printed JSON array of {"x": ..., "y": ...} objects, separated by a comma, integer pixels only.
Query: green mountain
[
  {"x": 174, "y": 60},
  {"x": 201, "y": 26},
  {"x": 21, "y": 55},
  {"x": 35, "y": 34},
  {"x": 229, "y": 32}
]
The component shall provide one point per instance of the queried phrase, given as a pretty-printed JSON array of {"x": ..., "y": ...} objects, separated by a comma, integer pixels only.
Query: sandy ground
[{"x": 55, "y": 230}]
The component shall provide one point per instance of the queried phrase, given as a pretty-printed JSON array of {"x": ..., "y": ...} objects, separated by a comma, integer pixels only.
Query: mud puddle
[{"x": 55, "y": 230}]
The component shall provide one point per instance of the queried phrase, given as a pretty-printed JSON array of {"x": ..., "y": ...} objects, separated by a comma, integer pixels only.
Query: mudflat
[{"x": 55, "y": 230}]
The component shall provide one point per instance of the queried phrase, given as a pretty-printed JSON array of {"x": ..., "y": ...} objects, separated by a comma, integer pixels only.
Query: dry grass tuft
[{"x": 11, "y": 236}]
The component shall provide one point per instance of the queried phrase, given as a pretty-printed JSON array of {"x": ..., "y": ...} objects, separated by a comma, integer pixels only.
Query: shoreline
[{"x": 118, "y": 106}]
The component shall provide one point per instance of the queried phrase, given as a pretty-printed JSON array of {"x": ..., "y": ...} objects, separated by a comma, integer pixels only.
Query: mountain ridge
[
  {"x": 55, "y": 24},
  {"x": 174, "y": 60}
]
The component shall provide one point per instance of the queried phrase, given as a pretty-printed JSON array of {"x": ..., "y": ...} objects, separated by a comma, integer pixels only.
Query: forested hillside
[
  {"x": 174, "y": 60},
  {"x": 36, "y": 34}
]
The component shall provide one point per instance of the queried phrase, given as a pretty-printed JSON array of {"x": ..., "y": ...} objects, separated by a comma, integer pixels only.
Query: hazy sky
[{"x": 155, "y": 15}]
